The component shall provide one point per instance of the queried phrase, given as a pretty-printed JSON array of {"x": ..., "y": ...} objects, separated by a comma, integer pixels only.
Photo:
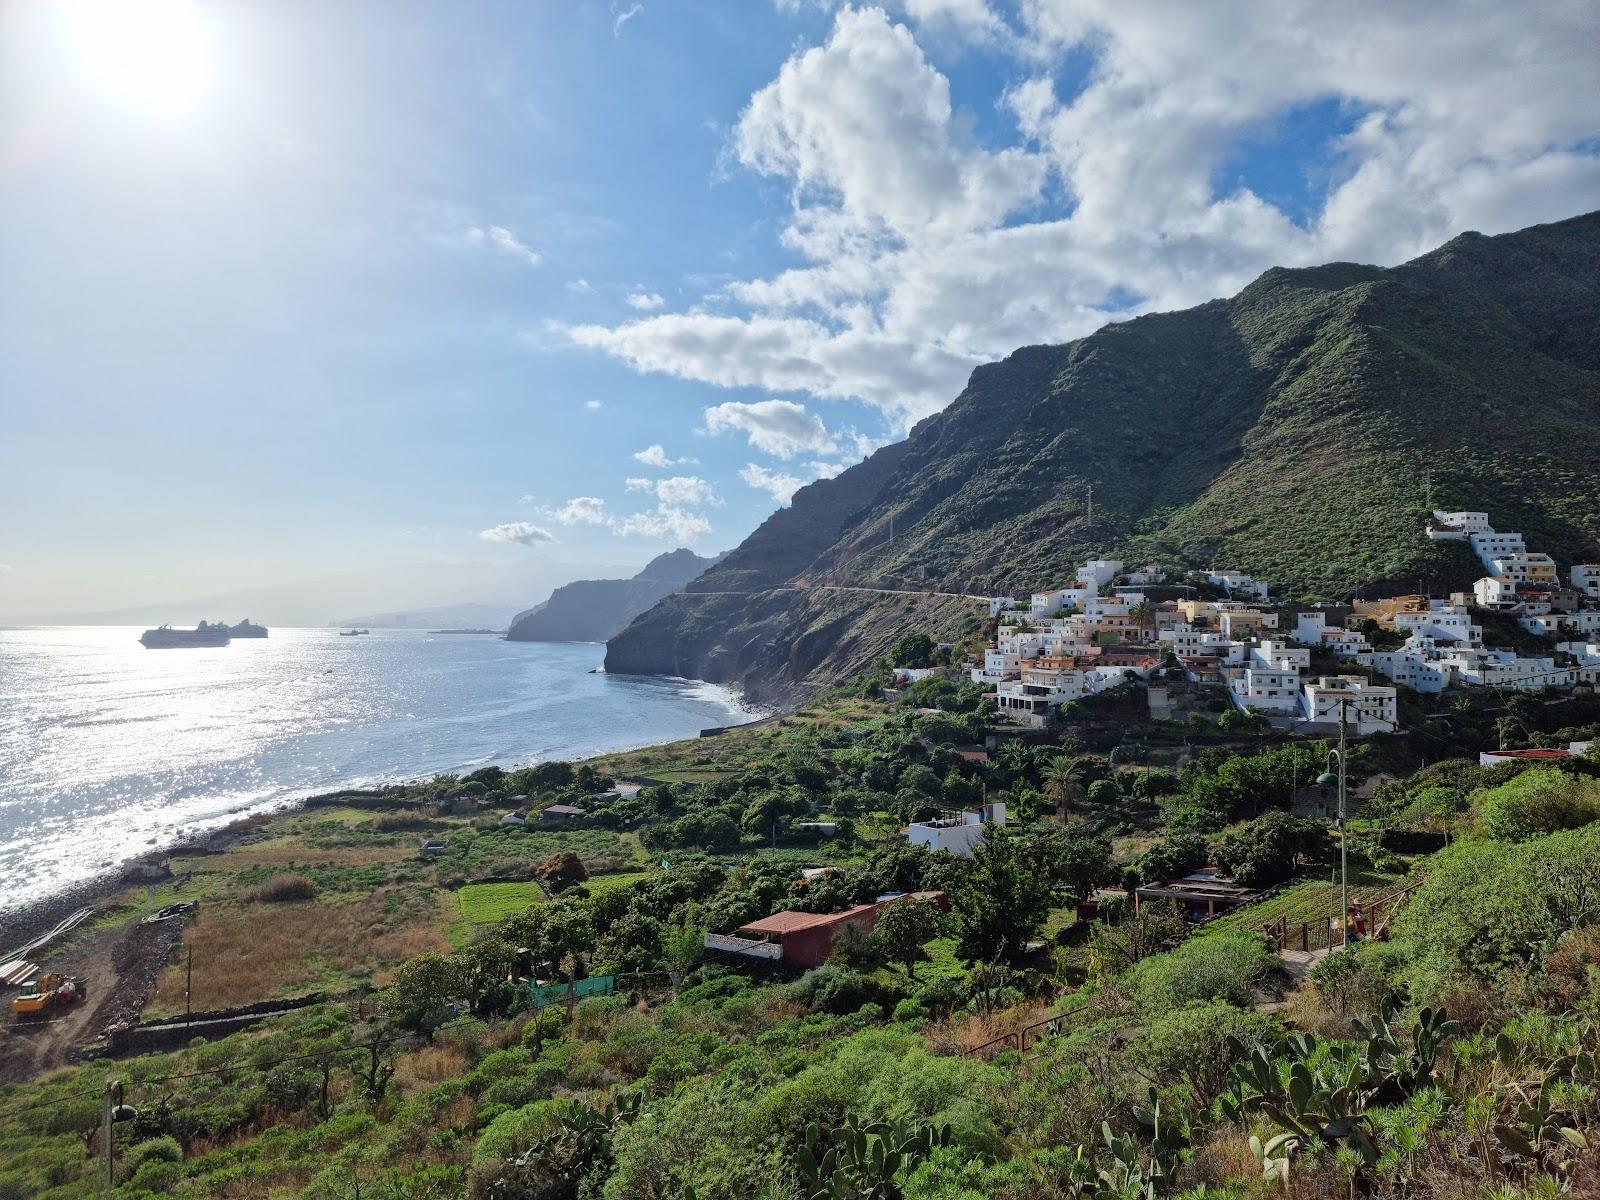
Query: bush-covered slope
[{"x": 1288, "y": 431}]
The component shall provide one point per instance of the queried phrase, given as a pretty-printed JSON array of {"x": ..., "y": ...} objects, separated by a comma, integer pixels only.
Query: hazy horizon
[{"x": 296, "y": 290}]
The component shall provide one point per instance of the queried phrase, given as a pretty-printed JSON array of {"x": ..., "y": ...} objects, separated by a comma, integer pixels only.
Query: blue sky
[{"x": 297, "y": 288}]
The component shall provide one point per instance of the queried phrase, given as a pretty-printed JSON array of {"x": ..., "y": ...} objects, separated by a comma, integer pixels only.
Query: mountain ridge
[
  {"x": 592, "y": 610},
  {"x": 1294, "y": 430}
]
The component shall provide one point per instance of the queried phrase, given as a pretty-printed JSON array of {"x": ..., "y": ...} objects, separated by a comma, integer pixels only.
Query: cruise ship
[{"x": 165, "y": 637}]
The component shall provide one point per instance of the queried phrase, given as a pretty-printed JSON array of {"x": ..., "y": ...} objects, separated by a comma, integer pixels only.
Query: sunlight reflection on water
[{"x": 108, "y": 749}]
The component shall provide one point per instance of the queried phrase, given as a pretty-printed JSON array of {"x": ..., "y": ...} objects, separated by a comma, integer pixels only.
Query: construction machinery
[{"x": 49, "y": 991}]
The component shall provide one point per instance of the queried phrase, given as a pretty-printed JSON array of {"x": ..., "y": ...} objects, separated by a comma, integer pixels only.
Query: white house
[
  {"x": 998, "y": 665},
  {"x": 1366, "y": 707},
  {"x": 1150, "y": 573},
  {"x": 1525, "y": 567},
  {"x": 1490, "y": 546},
  {"x": 1443, "y": 622},
  {"x": 1418, "y": 665},
  {"x": 1494, "y": 592},
  {"x": 957, "y": 834},
  {"x": 1586, "y": 579},
  {"x": 1506, "y": 669},
  {"x": 1309, "y": 628},
  {"x": 1281, "y": 655},
  {"x": 999, "y": 604},
  {"x": 1267, "y": 689},
  {"x": 1099, "y": 571},
  {"x": 1237, "y": 583},
  {"x": 1457, "y": 526},
  {"x": 1045, "y": 604}
]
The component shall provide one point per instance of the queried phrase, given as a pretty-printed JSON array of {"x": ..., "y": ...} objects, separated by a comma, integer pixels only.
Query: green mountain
[
  {"x": 591, "y": 610},
  {"x": 1290, "y": 431}
]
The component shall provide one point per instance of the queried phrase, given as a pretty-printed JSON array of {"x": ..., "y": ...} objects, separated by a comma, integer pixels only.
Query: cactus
[{"x": 861, "y": 1162}]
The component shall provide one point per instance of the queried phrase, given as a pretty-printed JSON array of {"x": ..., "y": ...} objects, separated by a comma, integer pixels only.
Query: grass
[
  {"x": 490, "y": 903},
  {"x": 478, "y": 905},
  {"x": 244, "y": 952}
]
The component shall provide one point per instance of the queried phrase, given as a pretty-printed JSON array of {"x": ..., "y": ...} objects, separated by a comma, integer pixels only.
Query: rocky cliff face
[
  {"x": 592, "y": 610},
  {"x": 1290, "y": 431}
]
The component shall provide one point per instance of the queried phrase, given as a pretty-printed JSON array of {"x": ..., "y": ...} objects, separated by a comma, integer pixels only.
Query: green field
[{"x": 489, "y": 903}]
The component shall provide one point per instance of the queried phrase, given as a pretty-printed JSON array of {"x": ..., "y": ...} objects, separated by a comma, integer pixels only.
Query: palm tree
[
  {"x": 1063, "y": 782},
  {"x": 1143, "y": 615}
]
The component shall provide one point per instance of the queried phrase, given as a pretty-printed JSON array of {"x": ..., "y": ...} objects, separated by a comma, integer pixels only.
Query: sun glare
[{"x": 151, "y": 55}]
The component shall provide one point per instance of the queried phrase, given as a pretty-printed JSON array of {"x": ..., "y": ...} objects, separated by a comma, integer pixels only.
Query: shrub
[
  {"x": 1537, "y": 802},
  {"x": 1268, "y": 849},
  {"x": 1171, "y": 858},
  {"x": 562, "y": 870},
  {"x": 1191, "y": 1046},
  {"x": 1226, "y": 966},
  {"x": 1361, "y": 979},
  {"x": 834, "y": 990},
  {"x": 283, "y": 889},
  {"x": 1488, "y": 909}
]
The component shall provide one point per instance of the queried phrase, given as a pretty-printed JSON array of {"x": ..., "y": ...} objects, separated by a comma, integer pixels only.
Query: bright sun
[{"x": 153, "y": 55}]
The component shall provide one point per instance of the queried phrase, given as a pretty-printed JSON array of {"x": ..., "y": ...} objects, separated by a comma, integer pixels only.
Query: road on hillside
[{"x": 837, "y": 587}]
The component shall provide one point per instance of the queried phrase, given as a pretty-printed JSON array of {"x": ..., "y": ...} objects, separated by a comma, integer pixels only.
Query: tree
[
  {"x": 1002, "y": 902},
  {"x": 1063, "y": 782},
  {"x": 913, "y": 651},
  {"x": 562, "y": 870},
  {"x": 904, "y": 927},
  {"x": 1077, "y": 862},
  {"x": 1172, "y": 858},
  {"x": 1270, "y": 848},
  {"x": 1143, "y": 615},
  {"x": 421, "y": 990}
]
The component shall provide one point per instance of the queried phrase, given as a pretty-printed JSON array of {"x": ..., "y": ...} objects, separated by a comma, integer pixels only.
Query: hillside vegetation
[{"x": 1288, "y": 432}]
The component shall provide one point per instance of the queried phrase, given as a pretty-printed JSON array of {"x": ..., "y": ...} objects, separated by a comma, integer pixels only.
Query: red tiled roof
[
  {"x": 792, "y": 922},
  {"x": 1529, "y": 753}
]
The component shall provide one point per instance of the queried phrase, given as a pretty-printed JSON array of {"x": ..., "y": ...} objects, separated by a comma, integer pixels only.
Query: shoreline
[{"x": 28, "y": 920}]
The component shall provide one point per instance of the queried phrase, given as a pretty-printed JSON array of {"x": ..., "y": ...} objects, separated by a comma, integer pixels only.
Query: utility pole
[
  {"x": 188, "y": 989},
  {"x": 1344, "y": 837},
  {"x": 1091, "y": 504},
  {"x": 105, "y": 1121}
]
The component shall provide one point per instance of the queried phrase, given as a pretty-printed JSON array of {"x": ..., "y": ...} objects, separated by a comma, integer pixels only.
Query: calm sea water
[{"x": 108, "y": 749}]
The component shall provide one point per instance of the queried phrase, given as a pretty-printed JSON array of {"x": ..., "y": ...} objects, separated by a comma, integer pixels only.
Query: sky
[{"x": 292, "y": 290}]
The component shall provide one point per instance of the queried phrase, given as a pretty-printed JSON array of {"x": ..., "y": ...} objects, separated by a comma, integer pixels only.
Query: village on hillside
[{"x": 1109, "y": 626}]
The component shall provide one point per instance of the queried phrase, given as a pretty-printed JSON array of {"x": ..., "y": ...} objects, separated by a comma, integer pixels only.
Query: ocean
[{"x": 108, "y": 750}]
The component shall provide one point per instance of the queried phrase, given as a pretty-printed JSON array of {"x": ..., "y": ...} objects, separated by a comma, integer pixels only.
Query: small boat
[
  {"x": 165, "y": 637},
  {"x": 353, "y": 632}
]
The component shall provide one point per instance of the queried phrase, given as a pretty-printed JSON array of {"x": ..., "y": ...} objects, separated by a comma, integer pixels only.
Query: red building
[{"x": 806, "y": 939}]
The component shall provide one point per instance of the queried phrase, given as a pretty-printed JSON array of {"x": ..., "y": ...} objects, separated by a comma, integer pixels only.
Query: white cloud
[
  {"x": 635, "y": 483},
  {"x": 923, "y": 251},
  {"x": 685, "y": 489},
  {"x": 521, "y": 532},
  {"x": 779, "y": 427},
  {"x": 667, "y": 521},
  {"x": 656, "y": 456},
  {"x": 593, "y": 405},
  {"x": 582, "y": 286},
  {"x": 828, "y": 470},
  {"x": 505, "y": 241},
  {"x": 623, "y": 17},
  {"x": 780, "y": 484},
  {"x": 583, "y": 510},
  {"x": 645, "y": 301}
]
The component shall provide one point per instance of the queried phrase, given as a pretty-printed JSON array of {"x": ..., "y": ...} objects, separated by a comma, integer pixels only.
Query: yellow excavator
[{"x": 50, "y": 990}]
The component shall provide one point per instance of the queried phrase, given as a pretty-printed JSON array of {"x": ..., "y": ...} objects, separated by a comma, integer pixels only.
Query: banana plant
[{"x": 861, "y": 1162}]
